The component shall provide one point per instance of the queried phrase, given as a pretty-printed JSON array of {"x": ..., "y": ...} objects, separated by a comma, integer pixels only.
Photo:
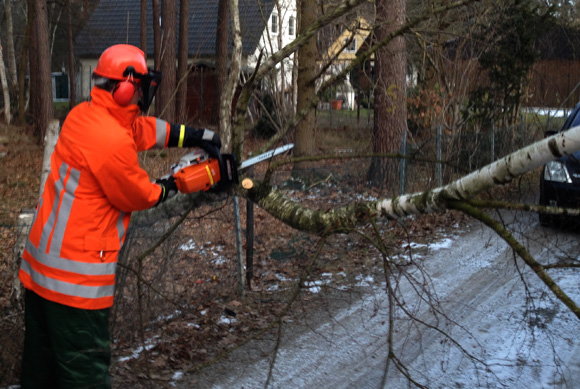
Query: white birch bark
[
  {"x": 5, "y": 91},
  {"x": 232, "y": 80},
  {"x": 24, "y": 223},
  {"x": 499, "y": 172},
  {"x": 10, "y": 44},
  {"x": 50, "y": 139},
  {"x": 225, "y": 118}
]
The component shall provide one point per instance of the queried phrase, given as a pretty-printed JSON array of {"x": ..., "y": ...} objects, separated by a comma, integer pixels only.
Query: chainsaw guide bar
[{"x": 199, "y": 171}]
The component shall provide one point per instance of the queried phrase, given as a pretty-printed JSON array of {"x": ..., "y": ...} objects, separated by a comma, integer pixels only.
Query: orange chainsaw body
[
  {"x": 197, "y": 171},
  {"x": 198, "y": 177}
]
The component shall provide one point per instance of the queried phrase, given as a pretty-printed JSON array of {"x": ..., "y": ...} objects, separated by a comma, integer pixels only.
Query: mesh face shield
[{"x": 149, "y": 83}]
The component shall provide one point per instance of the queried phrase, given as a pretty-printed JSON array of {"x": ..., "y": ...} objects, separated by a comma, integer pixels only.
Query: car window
[{"x": 573, "y": 120}]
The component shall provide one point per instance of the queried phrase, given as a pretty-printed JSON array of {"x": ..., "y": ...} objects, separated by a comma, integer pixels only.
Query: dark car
[{"x": 560, "y": 179}]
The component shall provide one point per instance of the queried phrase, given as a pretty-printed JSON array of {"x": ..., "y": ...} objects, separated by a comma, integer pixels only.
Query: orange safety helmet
[
  {"x": 115, "y": 61},
  {"x": 127, "y": 64}
]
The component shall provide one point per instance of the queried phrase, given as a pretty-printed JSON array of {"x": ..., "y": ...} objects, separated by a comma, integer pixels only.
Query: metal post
[
  {"x": 249, "y": 237},
  {"x": 201, "y": 92},
  {"x": 239, "y": 256},
  {"x": 492, "y": 141},
  {"x": 330, "y": 107},
  {"x": 403, "y": 164},
  {"x": 522, "y": 132},
  {"x": 439, "y": 165}
]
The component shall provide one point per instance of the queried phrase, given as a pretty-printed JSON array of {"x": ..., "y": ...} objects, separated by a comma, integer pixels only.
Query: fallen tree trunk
[{"x": 500, "y": 172}]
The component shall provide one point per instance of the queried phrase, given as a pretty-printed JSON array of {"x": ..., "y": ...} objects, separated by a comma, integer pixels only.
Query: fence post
[
  {"x": 239, "y": 255},
  {"x": 249, "y": 238},
  {"x": 330, "y": 107},
  {"x": 522, "y": 132},
  {"x": 439, "y": 166},
  {"x": 403, "y": 164},
  {"x": 492, "y": 141}
]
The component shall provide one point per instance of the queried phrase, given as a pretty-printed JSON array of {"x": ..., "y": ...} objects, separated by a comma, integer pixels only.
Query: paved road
[{"x": 517, "y": 340}]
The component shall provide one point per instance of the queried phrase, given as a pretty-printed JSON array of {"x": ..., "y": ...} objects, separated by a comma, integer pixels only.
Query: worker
[{"x": 68, "y": 265}]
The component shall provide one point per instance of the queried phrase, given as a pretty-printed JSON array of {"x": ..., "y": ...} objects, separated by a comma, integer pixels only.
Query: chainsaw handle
[
  {"x": 214, "y": 152},
  {"x": 211, "y": 149}
]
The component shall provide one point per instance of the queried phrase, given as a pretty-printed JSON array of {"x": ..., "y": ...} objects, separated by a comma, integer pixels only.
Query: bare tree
[
  {"x": 10, "y": 46},
  {"x": 5, "y": 91},
  {"x": 156, "y": 24},
  {"x": 305, "y": 137},
  {"x": 390, "y": 93},
  {"x": 32, "y": 64},
  {"x": 71, "y": 61},
  {"x": 182, "y": 68},
  {"x": 168, "y": 54},
  {"x": 229, "y": 91},
  {"x": 156, "y": 45},
  {"x": 221, "y": 57},
  {"x": 43, "y": 89}
]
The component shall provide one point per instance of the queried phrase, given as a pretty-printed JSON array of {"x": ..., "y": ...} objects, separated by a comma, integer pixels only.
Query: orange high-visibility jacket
[{"x": 94, "y": 184}]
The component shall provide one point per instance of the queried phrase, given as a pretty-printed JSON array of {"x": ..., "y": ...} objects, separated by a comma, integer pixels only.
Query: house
[
  {"x": 342, "y": 51},
  {"x": 266, "y": 26},
  {"x": 554, "y": 80}
]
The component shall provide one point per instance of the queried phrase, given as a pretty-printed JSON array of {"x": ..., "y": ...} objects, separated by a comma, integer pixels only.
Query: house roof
[
  {"x": 360, "y": 28},
  {"x": 118, "y": 21}
]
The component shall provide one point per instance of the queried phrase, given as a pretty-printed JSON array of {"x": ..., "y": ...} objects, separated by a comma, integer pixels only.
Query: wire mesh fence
[
  {"x": 440, "y": 158},
  {"x": 428, "y": 158}
]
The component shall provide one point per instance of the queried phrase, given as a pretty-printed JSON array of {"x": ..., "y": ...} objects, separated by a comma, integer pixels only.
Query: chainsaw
[{"x": 199, "y": 170}]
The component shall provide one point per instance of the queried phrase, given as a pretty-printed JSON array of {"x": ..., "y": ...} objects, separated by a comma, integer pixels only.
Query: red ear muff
[{"x": 123, "y": 93}]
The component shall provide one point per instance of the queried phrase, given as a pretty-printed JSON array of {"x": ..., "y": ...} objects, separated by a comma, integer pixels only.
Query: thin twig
[{"x": 522, "y": 252}]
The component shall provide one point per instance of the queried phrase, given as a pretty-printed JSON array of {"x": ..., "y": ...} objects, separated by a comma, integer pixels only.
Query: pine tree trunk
[
  {"x": 182, "y": 69},
  {"x": 232, "y": 82},
  {"x": 10, "y": 45},
  {"x": 156, "y": 48},
  {"x": 5, "y": 91},
  {"x": 305, "y": 141},
  {"x": 221, "y": 62},
  {"x": 168, "y": 68},
  {"x": 71, "y": 60},
  {"x": 390, "y": 95},
  {"x": 44, "y": 83},
  {"x": 32, "y": 65}
]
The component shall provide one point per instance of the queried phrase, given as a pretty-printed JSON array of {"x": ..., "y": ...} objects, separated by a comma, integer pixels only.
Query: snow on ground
[
  {"x": 552, "y": 112},
  {"x": 493, "y": 331}
]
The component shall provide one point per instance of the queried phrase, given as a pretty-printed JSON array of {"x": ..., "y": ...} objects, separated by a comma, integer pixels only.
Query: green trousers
[{"x": 64, "y": 347}]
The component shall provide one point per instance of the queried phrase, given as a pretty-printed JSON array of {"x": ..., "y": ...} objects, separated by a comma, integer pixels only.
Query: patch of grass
[
  {"x": 61, "y": 109},
  {"x": 544, "y": 122},
  {"x": 343, "y": 118},
  {"x": 19, "y": 172},
  {"x": 344, "y": 140}
]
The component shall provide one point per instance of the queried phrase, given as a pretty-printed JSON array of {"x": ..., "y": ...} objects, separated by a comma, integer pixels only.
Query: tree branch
[
  {"x": 337, "y": 220},
  {"x": 520, "y": 250}
]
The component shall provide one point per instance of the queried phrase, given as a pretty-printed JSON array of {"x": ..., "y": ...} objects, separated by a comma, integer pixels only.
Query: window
[
  {"x": 60, "y": 90},
  {"x": 274, "y": 23},
  {"x": 351, "y": 48},
  {"x": 291, "y": 23}
]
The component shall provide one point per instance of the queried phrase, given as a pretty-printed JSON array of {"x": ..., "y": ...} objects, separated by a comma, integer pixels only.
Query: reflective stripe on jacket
[{"x": 94, "y": 184}]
